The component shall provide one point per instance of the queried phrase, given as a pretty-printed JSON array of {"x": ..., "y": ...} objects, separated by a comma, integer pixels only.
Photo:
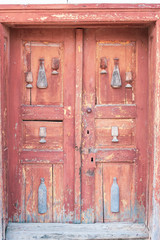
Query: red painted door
[
  {"x": 78, "y": 119},
  {"x": 114, "y": 121},
  {"x": 42, "y": 125}
]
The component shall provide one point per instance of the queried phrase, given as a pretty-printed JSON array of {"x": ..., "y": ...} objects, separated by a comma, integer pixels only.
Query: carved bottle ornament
[
  {"x": 55, "y": 65},
  {"x": 42, "y": 80},
  {"x": 116, "y": 78},
  {"x": 128, "y": 79},
  {"x": 28, "y": 74},
  {"x": 42, "y": 197},
  {"x": 42, "y": 134},
  {"x": 29, "y": 79},
  {"x": 103, "y": 65},
  {"x": 114, "y": 196},
  {"x": 115, "y": 134}
]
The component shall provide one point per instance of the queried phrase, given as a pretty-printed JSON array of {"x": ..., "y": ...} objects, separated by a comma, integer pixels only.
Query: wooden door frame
[{"x": 82, "y": 16}]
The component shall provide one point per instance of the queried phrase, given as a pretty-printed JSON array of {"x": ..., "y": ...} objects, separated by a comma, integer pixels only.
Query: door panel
[
  {"x": 33, "y": 52},
  {"x": 126, "y": 132},
  {"x": 32, "y": 176},
  {"x": 125, "y": 51},
  {"x": 42, "y": 128},
  {"x": 32, "y": 137},
  {"x": 115, "y": 64},
  {"x": 125, "y": 177}
]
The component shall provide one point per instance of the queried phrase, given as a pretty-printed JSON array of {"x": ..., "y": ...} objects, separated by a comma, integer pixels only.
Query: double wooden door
[{"x": 78, "y": 125}]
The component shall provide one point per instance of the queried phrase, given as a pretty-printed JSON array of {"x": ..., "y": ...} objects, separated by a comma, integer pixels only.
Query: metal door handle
[{"x": 89, "y": 110}]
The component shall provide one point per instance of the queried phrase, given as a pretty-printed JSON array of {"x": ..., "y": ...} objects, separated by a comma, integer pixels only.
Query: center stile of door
[{"x": 78, "y": 151}]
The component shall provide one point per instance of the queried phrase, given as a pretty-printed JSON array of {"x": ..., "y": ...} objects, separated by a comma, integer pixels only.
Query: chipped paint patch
[
  {"x": 88, "y": 216},
  {"x": 43, "y": 18},
  {"x": 124, "y": 202}
]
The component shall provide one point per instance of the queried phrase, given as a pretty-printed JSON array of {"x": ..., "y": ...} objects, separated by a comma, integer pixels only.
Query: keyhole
[
  {"x": 91, "y": 159},
  {"x": 87, "y": 131}
]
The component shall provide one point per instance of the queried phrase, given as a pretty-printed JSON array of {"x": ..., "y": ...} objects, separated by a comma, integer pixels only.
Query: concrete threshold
[{"x": 35, "y": 231}]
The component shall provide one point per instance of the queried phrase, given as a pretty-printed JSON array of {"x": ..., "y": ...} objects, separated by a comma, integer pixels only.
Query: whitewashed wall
[{"x": 75, "y": 1}]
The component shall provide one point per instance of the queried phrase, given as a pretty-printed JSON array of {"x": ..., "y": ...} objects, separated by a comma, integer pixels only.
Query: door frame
[{"x": 82, "y": 16}]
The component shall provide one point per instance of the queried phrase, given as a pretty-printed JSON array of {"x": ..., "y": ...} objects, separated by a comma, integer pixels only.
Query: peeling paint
[{"x": 43, "y": 18}]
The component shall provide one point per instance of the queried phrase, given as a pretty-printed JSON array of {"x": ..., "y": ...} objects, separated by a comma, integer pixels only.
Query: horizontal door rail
[
  {"x": 37, "y": 156},
  {"x": 42, "y": 112},
  {"x": 115, "y": 111}
]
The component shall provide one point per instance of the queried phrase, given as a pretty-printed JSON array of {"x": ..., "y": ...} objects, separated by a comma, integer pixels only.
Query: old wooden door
[
  {"x": 41, "y": 105},
  {"x": 114, "y": 136},
  {"x": 69, "y": 138}
]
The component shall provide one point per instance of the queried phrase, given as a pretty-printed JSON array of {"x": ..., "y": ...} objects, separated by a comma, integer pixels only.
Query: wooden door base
[{"x": 32, "y": 231}]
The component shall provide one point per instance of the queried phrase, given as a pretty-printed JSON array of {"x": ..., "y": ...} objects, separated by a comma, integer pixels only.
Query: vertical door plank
[
  {"x": 15, "y": 94},
  {"x": 4, "y": 73},
  {"x": 142, "y": 125},
  {"x": 58, "y": 193},
  {"x": 33, "y": 175},
  {"x": 99, "y": 193},
  {"x": 26, "y": 68},
  {"x": 78, "y": 123},
  {"x": 69, "y": 121},
  {"x": 88, "y": 157}
]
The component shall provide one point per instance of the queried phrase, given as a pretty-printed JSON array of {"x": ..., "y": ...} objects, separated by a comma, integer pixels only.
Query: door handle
[{"x": 89, "y": 110}]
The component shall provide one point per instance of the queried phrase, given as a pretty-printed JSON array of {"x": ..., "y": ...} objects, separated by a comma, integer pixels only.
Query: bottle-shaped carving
[
  {"x": 42, "y": 197},
  {"x": 42, "y": 80},
  {"x": 55, "y": 65},
  {"x": 29, "y": 79},
  {"x": 103, "y": 65},
  {"x": 116, "y": 78},
  {"x": 115, "y": 196}
]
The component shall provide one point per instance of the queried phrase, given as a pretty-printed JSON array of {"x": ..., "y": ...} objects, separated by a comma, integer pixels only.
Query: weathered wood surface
[
  {"x": 4, "y": 48},
  {"x": 63, "y": 14},
  {"x": 31, "y": 138},
  {"x": 115, "y": 110},
  {"x": 94, "y": 14},
  {"x": 42, "y": 112},
  {"x": 78, "y": 122},
  {"x": 52, "y": 108},
  {"x": 107, "y": 109},
  {"x": 117, "y": 155},
  {"x": 154, "y": 135},
  {"x": 88, "y": 130},
  {"x": 25, "y": 231},
  {"x": 41, "y": 156}
]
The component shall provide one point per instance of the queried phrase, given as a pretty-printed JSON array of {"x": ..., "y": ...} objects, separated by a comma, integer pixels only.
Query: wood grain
[
  {"x": 42, "y": 112},
  {"x": 52, "y": 95},
  {"x": 117, "y": 155},
  {"x": 58, "y": 193},
  {"x": 36, "y": 156},
  {"x": 125, "y": 176},
  {"x": 69, "y": 121},
  {"x": 54, "y": 132},
  {"x": 33, "y": 174},
  {"x": 122, "y": 111},
  {"x": 103, "y": 132},
  {"x": 78, "y": 124}
]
